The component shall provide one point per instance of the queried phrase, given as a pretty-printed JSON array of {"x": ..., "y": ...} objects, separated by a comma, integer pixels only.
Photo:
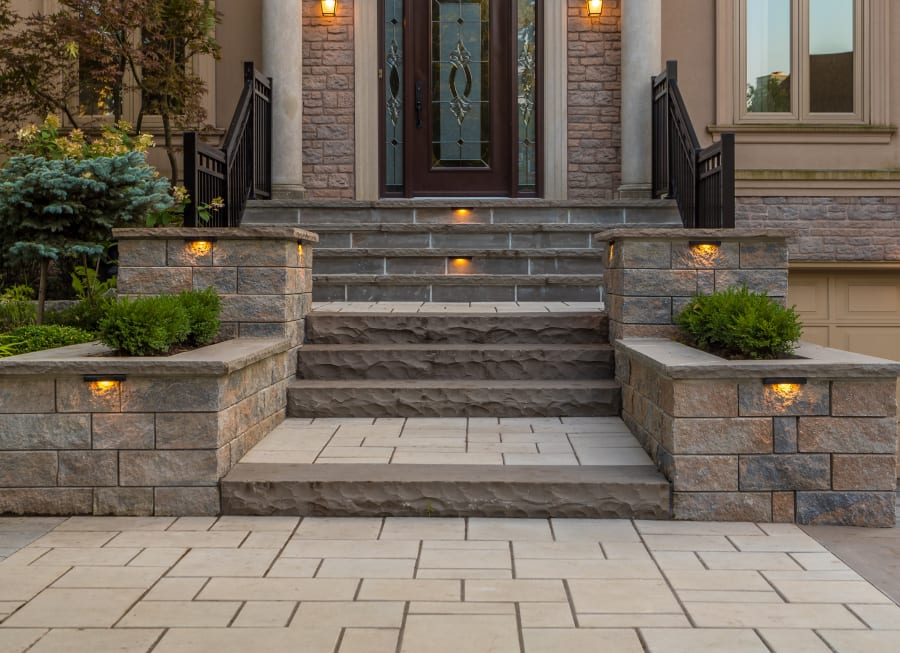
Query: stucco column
[
  {"x": 641, "y": 60},
  {"x": 282, "y": 32}
]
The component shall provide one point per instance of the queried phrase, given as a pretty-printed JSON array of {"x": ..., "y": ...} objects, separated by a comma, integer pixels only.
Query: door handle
[{"x": 419, "y": 103}]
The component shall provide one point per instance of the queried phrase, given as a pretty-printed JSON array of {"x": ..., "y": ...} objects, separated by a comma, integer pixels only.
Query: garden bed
[
  {"x": 811, "y": 439},
  {"x": 82, "y": 432}
]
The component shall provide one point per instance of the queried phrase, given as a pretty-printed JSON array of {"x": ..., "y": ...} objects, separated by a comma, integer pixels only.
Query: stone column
[
  {"x": 641, "y": 60},
  {"x": 282, "y": 35}
]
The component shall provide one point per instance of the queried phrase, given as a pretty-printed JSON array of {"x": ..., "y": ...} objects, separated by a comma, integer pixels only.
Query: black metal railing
[
  {"x": 242, "y": 168},
  {"x": 701, "y": 180}
]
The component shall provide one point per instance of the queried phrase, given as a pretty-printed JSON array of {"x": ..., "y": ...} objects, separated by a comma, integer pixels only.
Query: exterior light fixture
[
  {"x": 595, "y": 7},
  {"x": 782, "y": 392},
  {"x": 329, "y": 7},
  {"x": 705, "y": 252},
  {"x": 103, "y": 385},
  {"x": 200, "y": 246},
  {"x": 461, "y": 260},
  {"x": 462, "y": 212}
]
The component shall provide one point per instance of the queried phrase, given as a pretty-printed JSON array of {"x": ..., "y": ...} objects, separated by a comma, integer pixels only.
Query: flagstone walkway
[{"x": 430, "y": 585}]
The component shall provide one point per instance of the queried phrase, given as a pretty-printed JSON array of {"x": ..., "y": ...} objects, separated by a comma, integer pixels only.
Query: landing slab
[
  {"x": 458, "y": 307},
  {"x": 450, "y": 467}
]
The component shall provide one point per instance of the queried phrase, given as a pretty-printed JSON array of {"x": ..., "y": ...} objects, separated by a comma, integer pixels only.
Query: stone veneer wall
[
  {"x": 156, "y": 443},
  {"x": 595, "y": 101},
  {"x": 734, "y": 450},
  {"x": 328, "y": 101},
  {"x": 652, "y": 273},
  {"x": 829, "y": 228}
]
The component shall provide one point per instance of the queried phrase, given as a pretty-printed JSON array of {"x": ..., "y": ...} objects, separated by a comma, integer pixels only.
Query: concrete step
[
  {"x": 452, "y": 398},
  {"x": 457, "y": 261},
  {"x": 571, "y": 328},
  {"x": 360, "y": 490},
  {"x": 498, "y": 362},
  {"x": 459, "y": 211},
  {"x": 457, "y": 287}
]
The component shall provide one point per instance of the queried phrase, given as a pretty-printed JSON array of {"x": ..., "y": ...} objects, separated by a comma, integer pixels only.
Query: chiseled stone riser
[
  {"x": 453, "y": 399},
  {"x": 590, "y": 494},
  {"x": 423, "y": 328},
  {"x": 456, "y": 362},
  {"x": 424, "y": 261}
]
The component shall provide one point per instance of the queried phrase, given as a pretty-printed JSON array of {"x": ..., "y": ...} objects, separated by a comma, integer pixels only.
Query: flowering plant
[{"x": 46, "y": 141}]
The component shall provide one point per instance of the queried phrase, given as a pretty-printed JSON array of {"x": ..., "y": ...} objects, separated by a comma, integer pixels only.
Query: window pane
[
  {"x": 831, "y": 56},
  {"x": 393, "y": 94},
  {"x": 526, "y": 97},
  {"x": 769, "y": 55}
]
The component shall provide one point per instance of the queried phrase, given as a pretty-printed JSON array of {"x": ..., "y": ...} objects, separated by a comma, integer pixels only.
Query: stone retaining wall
[
  {"x": 262, "y": 274},
  {"x": 651, "y": 274},
  {"x": 734, "y": 448},
  {"x": 155, "y": 443}
]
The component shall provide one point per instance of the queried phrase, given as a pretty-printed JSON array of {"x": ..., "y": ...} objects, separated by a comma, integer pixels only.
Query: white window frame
[{"x": 871, "y": 69}]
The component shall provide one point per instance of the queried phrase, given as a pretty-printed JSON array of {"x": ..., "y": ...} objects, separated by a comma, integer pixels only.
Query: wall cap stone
[
  {"x": 679, "y": 361},
  {"x": 663, "y": 233},
  {"x": 213, "y": 360},
  {"x": 238, "y": 233}
]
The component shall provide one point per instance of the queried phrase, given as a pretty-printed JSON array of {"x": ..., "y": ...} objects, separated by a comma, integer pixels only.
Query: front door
[{"x": 459, "y": 95}]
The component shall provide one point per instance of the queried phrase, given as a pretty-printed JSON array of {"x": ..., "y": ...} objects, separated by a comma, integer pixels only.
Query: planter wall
[
  {"x": 262, "y": 274},
  {"x": 156, "y": 443},
  {"x": 651, "y": 274},
  {"x": 734, "y": 448}
]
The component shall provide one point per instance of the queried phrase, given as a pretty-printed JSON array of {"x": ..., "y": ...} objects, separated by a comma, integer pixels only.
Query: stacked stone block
[
  {"x": 156, "y": 443},
  {"x": 736, "y": 450},
  {"x": 262, "y": 274},
  {"x": 651, "y": 274}
]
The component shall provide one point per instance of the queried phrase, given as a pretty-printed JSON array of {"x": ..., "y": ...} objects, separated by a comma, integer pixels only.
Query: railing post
[
  {"x": 190, "y": 177},
  {"x": 671, "y": 80},
  {"x": 250, "y": 82},
  {"x": 728, "y": 180}
]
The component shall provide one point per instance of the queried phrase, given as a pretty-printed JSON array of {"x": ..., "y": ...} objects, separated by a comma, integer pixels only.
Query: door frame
[{"x": 554, "y": 174}]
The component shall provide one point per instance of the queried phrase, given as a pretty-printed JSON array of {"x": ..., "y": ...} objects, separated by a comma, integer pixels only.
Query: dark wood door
[{"x": 459, "y": 98}]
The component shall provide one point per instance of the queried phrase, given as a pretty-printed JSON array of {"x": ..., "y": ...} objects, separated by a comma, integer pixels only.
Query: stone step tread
[
  {"x": 464, "y": 279},
  {"x": 370, "y": 490},
  {"x": 311, "y": 348},
  {"x": 472, "y": 228},
  {"x": 468, "y": 202},
  {"x": 531, "y": 384},
  {"x": 579, "y": 252}
]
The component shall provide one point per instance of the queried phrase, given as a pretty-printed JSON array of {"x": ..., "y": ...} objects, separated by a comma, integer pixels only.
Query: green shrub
[
  {"x": 154, "y": 325},
  {"x": 203, "y": 309},
  {"x": 16, "y": 307},
  {"x": 737, "y": 323},
  {"x": 39, "y": 337},
  {"x": 145, "y": 326},
  {"x": 84, "y": 315}
]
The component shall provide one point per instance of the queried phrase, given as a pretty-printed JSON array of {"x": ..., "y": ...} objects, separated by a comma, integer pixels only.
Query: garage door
[{"x": 855, "y": 310}]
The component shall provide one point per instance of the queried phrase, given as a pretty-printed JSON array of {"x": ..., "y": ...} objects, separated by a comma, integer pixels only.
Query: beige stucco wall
[{"x": 239, "y": 33}]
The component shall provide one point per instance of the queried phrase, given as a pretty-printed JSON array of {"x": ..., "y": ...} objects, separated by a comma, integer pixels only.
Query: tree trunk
[
  {"x": 170, "y": 149},
  {"x": 42, "y": 289}
]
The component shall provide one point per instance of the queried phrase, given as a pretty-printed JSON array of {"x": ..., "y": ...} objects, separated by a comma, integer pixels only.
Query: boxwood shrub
[
  {"x": 737, "y": 323},
  {"x": 155, "y": 325}
]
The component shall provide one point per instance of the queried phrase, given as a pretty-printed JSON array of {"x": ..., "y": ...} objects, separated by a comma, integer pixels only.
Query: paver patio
[{"x": 430, "y": 585}]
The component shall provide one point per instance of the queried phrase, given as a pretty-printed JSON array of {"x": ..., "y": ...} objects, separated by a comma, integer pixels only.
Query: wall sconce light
[
  {"x": 200, "y": 246},
  {"x": 595, "y": 7},
  {"x": 329, "y": 7},
  {"x": 102, "y": 385}
]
